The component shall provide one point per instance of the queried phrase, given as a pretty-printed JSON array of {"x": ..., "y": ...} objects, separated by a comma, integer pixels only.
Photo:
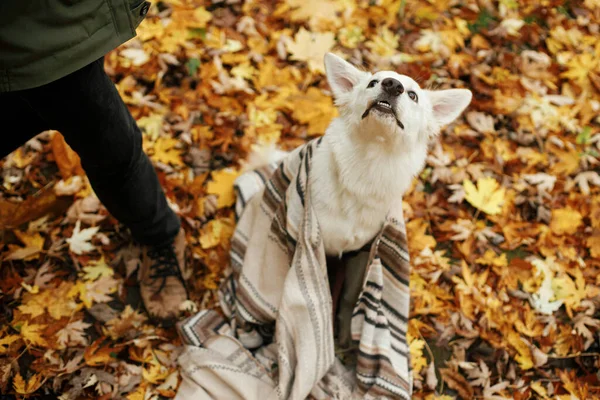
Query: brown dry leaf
[
  {"x": 72, "y": 335},
  {"x": 456, "y": 381},
  {"x": 13, "y": 214},
  {"x": 34, "y": 244},
  {"x": 128, "y": 322},
  {"x": 99, "y": 291}
]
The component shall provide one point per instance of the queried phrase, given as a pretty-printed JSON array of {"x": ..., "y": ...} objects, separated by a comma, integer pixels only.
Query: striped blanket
[{"x": 276, "y": 339}]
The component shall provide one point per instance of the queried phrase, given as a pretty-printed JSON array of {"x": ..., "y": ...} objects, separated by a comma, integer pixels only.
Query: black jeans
[{"x": 87, "y": 109}]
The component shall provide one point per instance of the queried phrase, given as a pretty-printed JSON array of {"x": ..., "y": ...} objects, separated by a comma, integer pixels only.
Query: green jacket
[{"x": 44, "y": 40}]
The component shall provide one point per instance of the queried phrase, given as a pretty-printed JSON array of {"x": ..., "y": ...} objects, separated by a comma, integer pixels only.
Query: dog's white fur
[{"x": 364, "y": 164}]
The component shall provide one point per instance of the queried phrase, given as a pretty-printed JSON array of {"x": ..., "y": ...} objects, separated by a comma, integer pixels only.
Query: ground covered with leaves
[{"x": 503, "y": 224}]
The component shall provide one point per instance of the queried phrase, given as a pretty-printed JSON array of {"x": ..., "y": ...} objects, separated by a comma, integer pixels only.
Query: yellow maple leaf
[
  {"x": 139, "y": 393},
  {"x": 97, "y": 269},
  {"x": 568, "y": 162},
  {"x": 313, "y": 108},
  {"x": 351, "y": 36},
  {"x": 152, "y": 125},
  {"x": 63, "y": 304},
  {"x": 156, "y": 373},
  {"x": 244, "y": 71},
  {"x": 19, "y": 384},
  {"x": 150, "y": 30},
  {"x": 166, "y": 152},
  {"x": 34, "y": 244},
  {"x": 311, "y": 48},
  {"x": 593, "y": 243},
  {"x": 32, "y": 334},
  {"x": 490, "y": 258},
  {"x": 202, "y": 16},
  {"x": 579, "y": 68},
  {"x": 417, "y": 359},
  {"x": 488, "y": 196},
  {"x": 565, "y": 221},
  {"x": 523, "y": 357},
  {"x": 32, "y": 308},
  {"x": 22, "y": 387},
  {"x": 7, "y": 341},
  {"x": 173, "y": 40},
  {"x": 317, "y": 12},
  {"x": 215, "y": 232},
  {"x": 571, "y": 292},
  {"x": 539, "y": 389},
  {"x": 419, "y": 240},
  {"x": 222, "y": 186},
  {"x": 384, "y": 43},
  {"x": 470, "y": 279},
  {"x": 56, "y": 301},
  {"x": 63, "y": 308}
]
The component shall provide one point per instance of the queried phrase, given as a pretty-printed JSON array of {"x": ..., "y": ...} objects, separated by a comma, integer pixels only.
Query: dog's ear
[
  {"x": 449, "y": 104},
  {"x": 341, "y": 75}
]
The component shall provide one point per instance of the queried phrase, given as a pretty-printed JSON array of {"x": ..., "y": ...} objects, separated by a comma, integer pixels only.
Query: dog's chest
[
  {"x": 351, "y": 200},
  {"x": 348, "y": 226}
]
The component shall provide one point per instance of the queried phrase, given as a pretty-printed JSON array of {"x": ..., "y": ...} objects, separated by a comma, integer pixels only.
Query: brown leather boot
[{"x": 162, "y": 277}]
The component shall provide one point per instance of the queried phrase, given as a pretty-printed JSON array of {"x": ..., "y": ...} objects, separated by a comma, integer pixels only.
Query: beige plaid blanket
[{"x": 277, "y": 340}]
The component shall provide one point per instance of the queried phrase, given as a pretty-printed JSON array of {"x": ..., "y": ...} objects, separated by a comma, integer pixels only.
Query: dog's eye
[
  {"x": 413, "y": 96},
  {"x": 372, "y": 83}
]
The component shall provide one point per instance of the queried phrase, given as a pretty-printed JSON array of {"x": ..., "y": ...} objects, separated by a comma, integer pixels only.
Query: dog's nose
[{"x": 392, "y": 86}]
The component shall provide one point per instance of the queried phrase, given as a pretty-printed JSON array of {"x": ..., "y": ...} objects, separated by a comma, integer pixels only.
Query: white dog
[{"x": 372, "y": 151}]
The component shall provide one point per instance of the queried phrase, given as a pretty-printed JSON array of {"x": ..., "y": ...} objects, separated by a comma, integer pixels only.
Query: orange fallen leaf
[
  {"x": 96, "y": 354},
  {"x": 66, "y": 159}
]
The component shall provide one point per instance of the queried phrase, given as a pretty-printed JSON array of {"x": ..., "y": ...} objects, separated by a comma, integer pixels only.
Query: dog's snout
[{"x": 392, "y": 86}]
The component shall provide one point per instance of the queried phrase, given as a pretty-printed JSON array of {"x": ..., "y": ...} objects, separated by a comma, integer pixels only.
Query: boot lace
[{"x": 164, "y": 265}]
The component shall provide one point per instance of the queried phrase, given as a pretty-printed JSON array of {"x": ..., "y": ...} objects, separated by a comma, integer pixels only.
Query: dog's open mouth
[{"x": 383, "y": 107}]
